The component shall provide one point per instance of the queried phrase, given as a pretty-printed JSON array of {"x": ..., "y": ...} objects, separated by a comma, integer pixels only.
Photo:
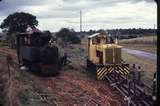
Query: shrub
[{"x": 68, "y": 35}]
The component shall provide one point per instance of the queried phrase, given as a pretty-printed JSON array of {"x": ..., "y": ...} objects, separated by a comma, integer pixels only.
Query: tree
[
  {"x": 18, "y": 22},
  {"x": 68, "y": 35},
  {"x": 90, "y": 32},
  {"x": 102, "y": 31}
]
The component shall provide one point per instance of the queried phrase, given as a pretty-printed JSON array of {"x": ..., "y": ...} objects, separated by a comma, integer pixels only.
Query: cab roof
[{"x": 98, "y": 35}]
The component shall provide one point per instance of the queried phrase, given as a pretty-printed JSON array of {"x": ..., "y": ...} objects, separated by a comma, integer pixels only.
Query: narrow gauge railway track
[{"x": 135, "y": 93}]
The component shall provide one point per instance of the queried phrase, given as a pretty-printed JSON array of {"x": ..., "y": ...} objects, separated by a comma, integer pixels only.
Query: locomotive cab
[
  {"x": 103, "y": 50},
  {"x": 34, "y": 52}
]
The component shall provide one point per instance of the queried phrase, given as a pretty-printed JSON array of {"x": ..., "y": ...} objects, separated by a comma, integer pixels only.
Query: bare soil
[{"x": 70, "y": 90}]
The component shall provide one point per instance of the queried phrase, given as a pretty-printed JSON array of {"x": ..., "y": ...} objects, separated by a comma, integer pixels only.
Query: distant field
[
  {"x": 148, "y": 44},
  {"x": 140, "y": 40}
]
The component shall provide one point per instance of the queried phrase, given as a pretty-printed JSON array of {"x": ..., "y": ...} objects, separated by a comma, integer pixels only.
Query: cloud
[
  {"x": 9, "y": 6},
  {"x": 53, "y": 14}
]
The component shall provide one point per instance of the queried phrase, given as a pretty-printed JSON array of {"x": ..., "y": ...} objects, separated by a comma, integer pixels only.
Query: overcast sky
[{"x": 96, "y": 14}]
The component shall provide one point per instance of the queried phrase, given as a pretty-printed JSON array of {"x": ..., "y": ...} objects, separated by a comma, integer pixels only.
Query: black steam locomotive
[{"x": 35, "y": 54}]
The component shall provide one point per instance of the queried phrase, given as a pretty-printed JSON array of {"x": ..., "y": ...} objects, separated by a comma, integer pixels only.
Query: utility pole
[
  {"x": 117, "y": 34},
  {"x": 154, "y": 35},
  {"x": 80, "y": 21}
]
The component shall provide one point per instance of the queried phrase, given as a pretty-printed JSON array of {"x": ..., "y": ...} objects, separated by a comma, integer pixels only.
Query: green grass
[
  {"x": 27, "y": 97},
  {"x": 25, "y": 88}
]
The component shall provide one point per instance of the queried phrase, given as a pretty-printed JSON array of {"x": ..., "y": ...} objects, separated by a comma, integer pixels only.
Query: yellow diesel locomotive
[{"x": 104, "y": 56}]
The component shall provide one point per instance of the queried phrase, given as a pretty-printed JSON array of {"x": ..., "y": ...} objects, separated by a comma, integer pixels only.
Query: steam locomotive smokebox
[
  {"x": 30, "y": 53},
  {"x": 47, "y": 55}
]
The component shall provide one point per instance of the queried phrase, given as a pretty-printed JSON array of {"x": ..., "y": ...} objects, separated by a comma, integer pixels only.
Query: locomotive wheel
[
  {"x": 35, "y": 68},
  {"x": 49, "y": 70},
  {"x": 91, "y": 67}
]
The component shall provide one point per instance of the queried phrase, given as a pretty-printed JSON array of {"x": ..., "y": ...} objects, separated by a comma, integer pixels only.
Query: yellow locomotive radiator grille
[
  {"x": 109, "y": 55},
  {"x": 113, "y": 55},
  {"x": 117, "y": 55}
]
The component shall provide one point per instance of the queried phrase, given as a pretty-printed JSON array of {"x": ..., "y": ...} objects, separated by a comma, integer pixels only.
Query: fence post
[
  {"x": 8, "y": 60},
  {"x": 154, "y": 88}
]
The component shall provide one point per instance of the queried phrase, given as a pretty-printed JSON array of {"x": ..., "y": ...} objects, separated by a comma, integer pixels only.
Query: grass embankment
[
  {"x": 77, "y": 55},
  {"x": 148, "y": 43},
  {"x": 24, "y": 90},
  {"x": 147, "y": 66}
]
